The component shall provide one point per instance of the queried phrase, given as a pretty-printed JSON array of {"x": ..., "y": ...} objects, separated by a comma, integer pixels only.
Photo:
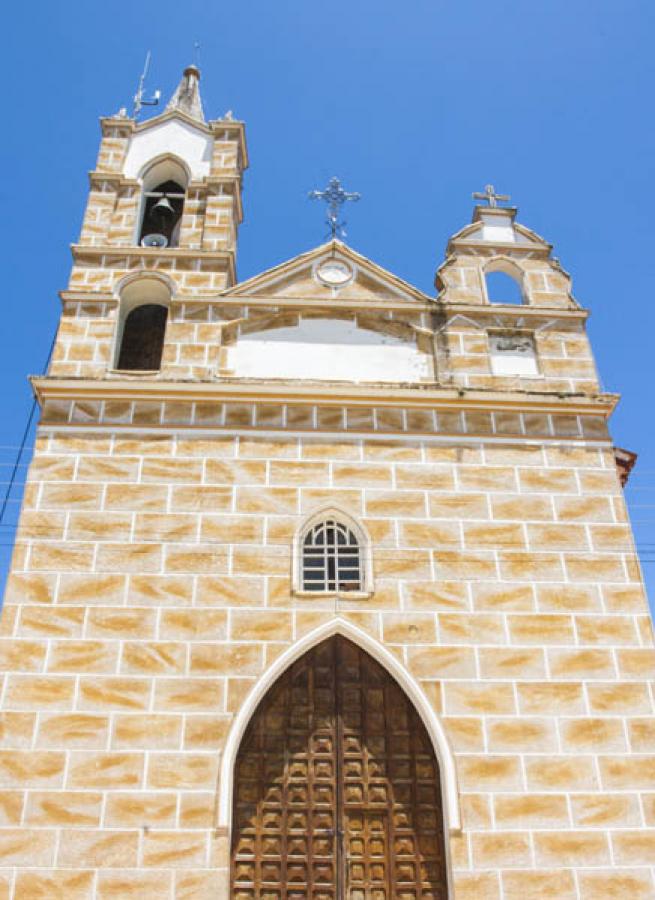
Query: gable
[{"x": 332, "y": 272}]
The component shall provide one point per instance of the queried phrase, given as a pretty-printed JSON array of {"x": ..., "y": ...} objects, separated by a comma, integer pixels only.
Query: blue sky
[{"x": 415, "y": 106}]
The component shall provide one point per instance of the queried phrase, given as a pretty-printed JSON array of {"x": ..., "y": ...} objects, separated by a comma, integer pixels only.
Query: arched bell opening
[
  {"x": 337, "y": 787},
  {"x": 162, "y": 206}
]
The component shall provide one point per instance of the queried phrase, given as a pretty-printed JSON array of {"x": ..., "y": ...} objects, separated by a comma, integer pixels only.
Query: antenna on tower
[{"x": 139, "y": 99}]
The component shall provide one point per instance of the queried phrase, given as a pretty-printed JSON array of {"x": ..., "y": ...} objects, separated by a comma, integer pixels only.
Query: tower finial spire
[{"x": 187, "y": 94}]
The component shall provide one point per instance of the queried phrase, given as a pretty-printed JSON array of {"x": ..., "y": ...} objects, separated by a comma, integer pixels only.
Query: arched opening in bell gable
[
  {"x": 162, "y": 205},
  {"x": 504, "y": 283},
  {"x": 143, "y": 314}
]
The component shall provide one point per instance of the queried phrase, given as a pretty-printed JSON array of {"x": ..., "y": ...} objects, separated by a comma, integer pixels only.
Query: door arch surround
[{"x": 340, "y": 626}]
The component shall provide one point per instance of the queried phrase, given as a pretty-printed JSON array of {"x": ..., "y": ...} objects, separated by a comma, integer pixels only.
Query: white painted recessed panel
[
  {"x": 327, "y": 349},
  {"x": 179, "y": 138},
  {"x": 513, "y": 356}
]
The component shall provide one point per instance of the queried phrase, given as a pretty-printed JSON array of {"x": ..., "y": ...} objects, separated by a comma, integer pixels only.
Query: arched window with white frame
[{"x": 332, "y": 556}]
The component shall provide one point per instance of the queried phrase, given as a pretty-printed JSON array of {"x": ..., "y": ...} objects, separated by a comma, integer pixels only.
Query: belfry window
[
  {"x": 503, "y": 283},
  {"x": 143, "y": 338},
  {"x": 162, "y": 215},
  {"x": 331, "y": 558}
]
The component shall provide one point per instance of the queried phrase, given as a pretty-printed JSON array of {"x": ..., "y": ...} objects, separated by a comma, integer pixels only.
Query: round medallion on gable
[{"x": 334, "y": 272}]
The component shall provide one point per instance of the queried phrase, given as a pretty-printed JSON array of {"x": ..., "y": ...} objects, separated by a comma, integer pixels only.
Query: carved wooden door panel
[{"x": 336, "y": 788}]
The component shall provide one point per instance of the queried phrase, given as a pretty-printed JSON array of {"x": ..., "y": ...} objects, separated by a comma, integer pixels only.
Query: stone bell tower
[{"x": 324, "y": 587}]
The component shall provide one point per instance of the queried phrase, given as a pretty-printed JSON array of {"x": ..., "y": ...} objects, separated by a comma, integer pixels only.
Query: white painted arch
[{"x": 340, "y": 626}]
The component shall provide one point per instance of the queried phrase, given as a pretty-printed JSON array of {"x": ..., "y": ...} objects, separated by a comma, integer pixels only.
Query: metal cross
[
  {"x": 335, "y": 196},
  {"x": 491, "y": 196}
]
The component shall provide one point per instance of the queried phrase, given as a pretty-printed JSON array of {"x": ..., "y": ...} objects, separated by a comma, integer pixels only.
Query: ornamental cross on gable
[
  {"x": 335, "y": 196},
  {"x": 491, "y": 196}
]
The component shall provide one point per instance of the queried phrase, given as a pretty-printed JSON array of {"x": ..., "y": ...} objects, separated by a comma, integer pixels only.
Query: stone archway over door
[{"x": 337, "y": 793}]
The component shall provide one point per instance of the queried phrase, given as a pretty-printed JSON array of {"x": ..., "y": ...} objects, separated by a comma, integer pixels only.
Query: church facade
[{"x": 323, "y": 587}]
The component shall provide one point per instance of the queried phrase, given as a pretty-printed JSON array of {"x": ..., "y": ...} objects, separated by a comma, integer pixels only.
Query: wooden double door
[{"x": 337, "y": 793}]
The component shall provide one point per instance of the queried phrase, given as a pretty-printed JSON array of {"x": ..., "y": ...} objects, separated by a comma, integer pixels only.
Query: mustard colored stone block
[
  {"x": 188, "y": 694},
  {"x": 395, "y": 503},
  {"x": 11, "y": 807},
  {"x": 153, "y": 658},
  {"x": 580, "y": 663},
  {"x": 556, "y": 481},
  {"x": 54, "y": 885},
  {"x": 167, "y": 471},
  {"x": 228, "y": 472},
  {"x": 69, "y": 809},
  {"x": 555, "y": 884},
  {"x": 458, "y": 506},
  {"x": 312, "y": 499},
  {"x": 82, "y": 656},
  {"x": 504, "y": 850},
  {"x": 619, "y": 698},
  {"x": 637, "y": 663},
  {"x": 442, "y": 662},
  {"x": 128, "y": 557},
  {"x": 611, "y": 884},
  {"x": 486, "y": 478},
  {"x": 424, "y": 477},
  {"x": 226, "y": 591},
  {"x": 260, "y": 626},
  {"x": 105, "y": 771},
  {"x": 107, "y": 693},
  {"x": 405, "y": 564},
  {"x": 503, "y": 536},
  {"x": 583, "y": 509},
  {"x": 16, "y": 729},
  {"x": 264, "y": 448},
  {"x": 205, "y": 732},
  {"x": 520, "y": 663},
  {"x": 235, "y": 529},
  {"x": 159, "y": 590},
  {"x": 201, "y": 498},
  {"x": 525, "y": 811},
  {"x": 465, "y": 734},
  {"x": 136, "y": 497},
  {"x": 137, "y": 809},
  {"x": 202, "y": 884},
  {"x": 571, "y": 848},
  {"x": 179, "y": 849},
  {"x": 51, "y": 622},
  {"x": 566, "y": 773},
  {"x": 542, "y": 566},
  {"x": 107, "y": 468},
  {"x": 604, "y": 810},
  {"x": 474, "y": 885},
  {"x": 139, "y": 731},
  {"x": 521, "y": 734},
  {"x": 430, "y": 534},
  {"x": 225, "y": 659},
  {"x": 592, "y": 735},
  {"x": 193, "y": 624},
  {"x": 627, "y": 773},
  {"x": 100, "y": 849},
  {"x": 70, "y": 730},
  {"x": 27, "y": 847},
  {"x": 21, "y": 655},
  {"x": 474, "y": 628},
  {"x": 111, "y": 622},
  {"x": 308, "y": 474},
  {"x": 266, "y": 560},
  {"x": 533, "y": 507},
  {"x": 431, "y": 595},
  {"x": 39, "y": 692},
  {"x": 179, "y": 771},
  {"x": 161, "y": 527},
  {"x": 91, "y": 589},
  {"x": 29, "y": 588},
  {"x": 537, "y": 629},
  {"x": 267, "y": 501},
  {"x": 56, "y": 557},
  {"x": 465, "y": 565},
  {"x": 138, "y": 884},
  {"x": 197, "y": 810},
  {"x": 409, "y": 628},
  {"x": 479, "y": 698}
]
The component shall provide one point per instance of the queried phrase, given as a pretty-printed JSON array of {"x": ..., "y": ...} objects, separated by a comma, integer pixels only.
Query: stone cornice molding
[{"x": 327, "y": 394}]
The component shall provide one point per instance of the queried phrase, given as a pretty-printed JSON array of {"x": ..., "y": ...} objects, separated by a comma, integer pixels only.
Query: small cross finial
[
  {"x": 491, "y": 196},
  {"x": 335, "y": 196},
  {"x": 196, "y": 54}
]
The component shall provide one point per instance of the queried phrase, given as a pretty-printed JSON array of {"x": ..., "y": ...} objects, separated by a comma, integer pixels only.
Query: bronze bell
[{"x": 163, "y": 208}]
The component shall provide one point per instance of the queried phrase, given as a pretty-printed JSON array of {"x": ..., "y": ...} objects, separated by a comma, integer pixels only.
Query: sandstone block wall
[{"x": 151, "y": 589}]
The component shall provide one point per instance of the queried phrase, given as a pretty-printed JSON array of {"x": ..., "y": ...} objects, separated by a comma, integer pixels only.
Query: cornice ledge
[
  {"x": 328, "y": 394},
  {"x": 519, "y": 309}
]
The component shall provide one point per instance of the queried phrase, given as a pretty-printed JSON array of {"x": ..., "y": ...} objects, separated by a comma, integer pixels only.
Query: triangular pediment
[{"x": 330, "y": 272}]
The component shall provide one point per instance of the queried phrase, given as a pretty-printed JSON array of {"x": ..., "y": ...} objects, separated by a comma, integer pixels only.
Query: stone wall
[{"x": 150, "y": 590}]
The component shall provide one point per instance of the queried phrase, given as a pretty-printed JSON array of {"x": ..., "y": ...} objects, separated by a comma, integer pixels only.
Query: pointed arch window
[{"x": 333, "y": 558}]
